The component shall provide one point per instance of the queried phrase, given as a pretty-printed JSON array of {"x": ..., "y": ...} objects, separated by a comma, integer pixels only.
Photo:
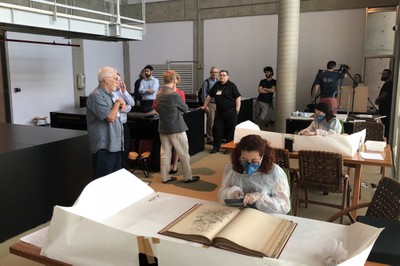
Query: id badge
[{"x": 219, "y": 92}]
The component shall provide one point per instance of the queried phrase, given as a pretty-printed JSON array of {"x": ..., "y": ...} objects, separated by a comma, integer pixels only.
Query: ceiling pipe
[{"x": 37, "y": 42}]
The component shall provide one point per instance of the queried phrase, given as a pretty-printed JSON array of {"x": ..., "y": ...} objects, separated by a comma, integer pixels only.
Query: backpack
[{"x": 200, "y": 93}]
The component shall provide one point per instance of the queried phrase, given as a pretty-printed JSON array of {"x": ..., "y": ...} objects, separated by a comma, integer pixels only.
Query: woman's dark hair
[
  {"x": 326, "y": 108},
  {"x": 253, "y": 143},
  {"x": 358, "y": 76}
]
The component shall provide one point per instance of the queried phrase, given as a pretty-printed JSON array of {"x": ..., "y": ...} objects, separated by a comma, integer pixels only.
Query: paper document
[{"x": 372, "y": 156}]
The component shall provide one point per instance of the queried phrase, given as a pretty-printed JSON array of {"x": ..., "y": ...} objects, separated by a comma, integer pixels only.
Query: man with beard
[
  {"x": 266, "y": 90},
  {"x": 105, "y": 130},
  {"x": 211, "y": 107},
  {"x": 384, "y": 99},
  {"x": 227, "y": 99},
  {"x": 148, "y": 89}
]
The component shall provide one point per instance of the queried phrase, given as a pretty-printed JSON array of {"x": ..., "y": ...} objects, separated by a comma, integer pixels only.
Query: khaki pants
[
  {"x": 210, "y": 121},
  {"x": 262, "y": 111},
  {"x": 180, "y": 142}
]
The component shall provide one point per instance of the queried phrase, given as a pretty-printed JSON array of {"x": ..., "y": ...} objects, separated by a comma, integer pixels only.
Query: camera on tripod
[{"x": 343, "y": 68}]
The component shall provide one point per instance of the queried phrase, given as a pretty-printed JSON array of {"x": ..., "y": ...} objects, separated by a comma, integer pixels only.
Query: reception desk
[
  {"x": 141, "y": 126},
  {"x": 40, "y": 167}
]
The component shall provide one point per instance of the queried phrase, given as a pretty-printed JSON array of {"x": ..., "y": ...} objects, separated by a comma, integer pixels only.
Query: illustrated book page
[{"x": 246, "y": 231}]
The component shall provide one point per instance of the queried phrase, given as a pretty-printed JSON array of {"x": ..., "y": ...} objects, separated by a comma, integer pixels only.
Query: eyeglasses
[
  {"x": 223, "y": 75},
  {"x": 214, "y": 72},
  {"x": 114, "y": 78}
]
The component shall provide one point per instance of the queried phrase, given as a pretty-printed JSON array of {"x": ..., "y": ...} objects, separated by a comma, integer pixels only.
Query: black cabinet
[
  {"x": 141, "y": 126},
  {"x": 40, "y": 167}
]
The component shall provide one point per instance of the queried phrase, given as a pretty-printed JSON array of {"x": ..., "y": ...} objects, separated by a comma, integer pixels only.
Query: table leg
[{"x": 356, "y": 188}]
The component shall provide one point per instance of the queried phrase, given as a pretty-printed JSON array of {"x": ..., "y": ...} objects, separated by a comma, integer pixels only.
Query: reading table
[
  {"x": 100, "y": 231},
  {"x": 356, "y": 160}
]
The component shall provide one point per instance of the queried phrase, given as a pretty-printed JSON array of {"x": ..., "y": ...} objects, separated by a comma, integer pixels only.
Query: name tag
[{"x": 219, "y": 92}]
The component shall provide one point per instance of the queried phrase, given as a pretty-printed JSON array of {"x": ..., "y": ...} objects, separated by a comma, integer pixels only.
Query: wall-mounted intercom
[{"x": 81, "y": 81}]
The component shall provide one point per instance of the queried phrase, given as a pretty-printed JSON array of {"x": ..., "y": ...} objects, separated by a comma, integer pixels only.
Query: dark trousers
[
  {"x": 105, "y": 162},
  {"x": 127, "y": 147},
  {"x": 386, "y": 122},
  {"x": 147, "y": 105},
  {"x": 224, "y": 126}
]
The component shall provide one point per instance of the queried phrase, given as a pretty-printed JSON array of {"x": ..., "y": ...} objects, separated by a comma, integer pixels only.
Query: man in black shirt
[
  {"x": 228, "y": 100},
  {"x": 385, "y": 99},
  {"x": 327, "y": 82},
  {"x": 266, "y": 90}
]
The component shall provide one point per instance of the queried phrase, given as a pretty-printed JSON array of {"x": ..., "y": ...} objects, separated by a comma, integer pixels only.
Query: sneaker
[
  {"x": 194, "y": 179},
  {"x": 214, "y": 150},
  {"x": 173, "y": 178}
]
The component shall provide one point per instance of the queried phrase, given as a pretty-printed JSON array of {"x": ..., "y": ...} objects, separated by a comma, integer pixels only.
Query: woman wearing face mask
[
  {"x": 253, "y": 176},
  {"x": 324, "y": 123}
]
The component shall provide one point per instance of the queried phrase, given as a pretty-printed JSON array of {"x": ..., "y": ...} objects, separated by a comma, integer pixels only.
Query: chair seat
[
  {"x": 387, "y": 247},
  {"x": 134, "y": 157}
]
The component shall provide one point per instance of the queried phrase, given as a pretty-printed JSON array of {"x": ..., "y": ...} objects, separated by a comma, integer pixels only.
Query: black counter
[
  {"x": 40, "y": 167},
  {"x": 141, "y": 126},
  {"x": 295, "y": 125}
]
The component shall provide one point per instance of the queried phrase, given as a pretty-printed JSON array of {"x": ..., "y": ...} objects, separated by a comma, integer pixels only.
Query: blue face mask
[
  {"x": 320, "y": 118},
  {"x": 250, "y": 168}
]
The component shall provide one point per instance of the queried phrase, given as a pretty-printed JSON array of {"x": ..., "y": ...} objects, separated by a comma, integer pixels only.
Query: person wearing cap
[
  {"x": 324, "y": 123},
  {"x": 266, "y": 90}
]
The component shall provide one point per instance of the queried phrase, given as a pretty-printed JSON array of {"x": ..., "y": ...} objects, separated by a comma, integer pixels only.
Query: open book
[{"x": 246, "y": 231}]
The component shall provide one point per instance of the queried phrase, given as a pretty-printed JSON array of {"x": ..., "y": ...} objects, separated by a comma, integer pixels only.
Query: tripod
[
  {"x": 376, "y": 109},
  {"x": 355, "y": 85}
]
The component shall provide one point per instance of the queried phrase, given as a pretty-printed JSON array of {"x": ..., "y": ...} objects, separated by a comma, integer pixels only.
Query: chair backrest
[
  {"x": 282, "y": 158},
  {"x": 386, "y": 200},
  {"x": 375, "y": 131},
  {"x": 320, "y": 170}
]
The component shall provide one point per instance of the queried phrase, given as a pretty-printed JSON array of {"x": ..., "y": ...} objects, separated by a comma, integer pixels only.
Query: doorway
[{"x": 5, "y": 115}]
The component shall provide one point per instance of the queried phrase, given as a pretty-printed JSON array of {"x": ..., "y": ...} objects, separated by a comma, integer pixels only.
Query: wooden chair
[
  {"x": 322, "y": 171},
  {"x": 135, "y": 160},
  {"x": 141, "y": 157},
  {"x": 282, "y": 159},
  {"x": 374, "y": 131},
  {"x": 384, "y": 204},
  {"x": 383, "y": 212}
]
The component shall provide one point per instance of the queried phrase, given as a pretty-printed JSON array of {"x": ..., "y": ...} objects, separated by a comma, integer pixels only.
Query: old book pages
[{"x": 246, "y": 231}]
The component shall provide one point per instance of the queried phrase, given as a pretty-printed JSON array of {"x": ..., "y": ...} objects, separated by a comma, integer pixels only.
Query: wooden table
[
  {"x": 32, "y": 252},
  {"x": 356, "y": 160}
]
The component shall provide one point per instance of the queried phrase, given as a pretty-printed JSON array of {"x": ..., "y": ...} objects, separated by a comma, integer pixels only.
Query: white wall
[
  {"x": 43, "y": 72},
  {"x": 242, "y": 45},
  {"x": 171, "y": 41},
  {"x": 245, "y": 45},
  {"x": 98, "y": 54}
]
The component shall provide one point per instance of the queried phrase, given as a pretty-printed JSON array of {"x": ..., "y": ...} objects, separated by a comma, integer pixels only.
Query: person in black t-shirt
[
  {"x": 385, "y": 99},
  {"x": 327, "y": 83},
  {"x": 266, "y": 90},
  {"x": 228, "y": 100}
]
